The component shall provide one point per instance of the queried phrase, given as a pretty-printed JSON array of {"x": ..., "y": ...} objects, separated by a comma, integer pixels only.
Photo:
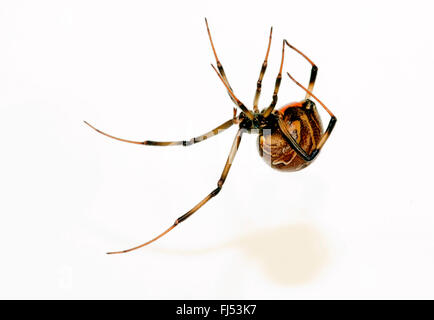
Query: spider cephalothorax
[
  {"x": 289, "y": 138},
  {"x": 255, "y": 125}
]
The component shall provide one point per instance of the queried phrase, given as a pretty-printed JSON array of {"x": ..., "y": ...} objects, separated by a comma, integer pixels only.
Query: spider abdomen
[{"x": 303, "y": 123}]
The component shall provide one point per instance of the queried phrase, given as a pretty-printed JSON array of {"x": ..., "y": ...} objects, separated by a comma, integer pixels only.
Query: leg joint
[
  {"x": 332, "y": 123},
  {"x": 186, "y": 143},
  {"x": 220, "y": 183},
  {"x": 312, "y": 155},
  {"x": 215, "y": 191}
]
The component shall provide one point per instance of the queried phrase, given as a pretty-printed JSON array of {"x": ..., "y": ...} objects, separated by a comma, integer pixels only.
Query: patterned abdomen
[{"x": 304, "y": 125}]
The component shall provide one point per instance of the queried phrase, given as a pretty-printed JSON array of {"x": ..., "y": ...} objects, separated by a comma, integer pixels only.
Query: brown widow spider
[{"x": 290, "y": 138}]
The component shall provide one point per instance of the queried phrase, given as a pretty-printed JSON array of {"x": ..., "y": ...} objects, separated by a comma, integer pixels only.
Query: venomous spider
[{"x": 290, "y": 137}]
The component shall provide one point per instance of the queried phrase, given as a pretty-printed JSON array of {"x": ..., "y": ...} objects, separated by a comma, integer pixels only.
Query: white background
[{"x": 358, "y": 223}]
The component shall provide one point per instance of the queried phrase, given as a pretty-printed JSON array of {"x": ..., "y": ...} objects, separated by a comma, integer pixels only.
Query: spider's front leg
[
  {"x": 261, "y": 75},
  {"x": 212, "y": 194},
  {"x": 220, "y": 67},
  {"x": 270, "y": 108}
]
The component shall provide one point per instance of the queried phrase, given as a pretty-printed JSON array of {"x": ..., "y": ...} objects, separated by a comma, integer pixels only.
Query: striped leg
[
  {"x": 220, "y": 67},
  {"x": 261, "y": 75},
  {"x": 185, "y": 143},
  {"x": 313, "y": 71},
  {"x": 270, "y": 109},
  {"x": 325, "y": 136},
  {"x": 247, "y": 112},
  {"x": 213, "y": 193}
]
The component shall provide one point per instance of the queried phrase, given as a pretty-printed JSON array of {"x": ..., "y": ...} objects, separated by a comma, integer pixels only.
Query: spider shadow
[{"x": 289, "y": 255}]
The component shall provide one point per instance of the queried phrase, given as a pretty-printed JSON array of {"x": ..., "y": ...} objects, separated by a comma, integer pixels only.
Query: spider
[{"x": 289, "y": 138}]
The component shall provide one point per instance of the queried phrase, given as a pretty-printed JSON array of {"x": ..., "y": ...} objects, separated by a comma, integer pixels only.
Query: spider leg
[
  {"x": 213, "y": 193},
  {"x": 324, "y": 137},
  {"x": 261, "y": 75},
  {"x": 313, "y": 71},
  {"x": 270, "y": 108},
  {"x": 185, "y": 143},
  {"x": 246, "y": 111},
  {"x": 220, "y": 67}
]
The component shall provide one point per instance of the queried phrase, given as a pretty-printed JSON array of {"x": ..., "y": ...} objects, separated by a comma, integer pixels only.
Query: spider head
[{"x": 258, "y": 123}]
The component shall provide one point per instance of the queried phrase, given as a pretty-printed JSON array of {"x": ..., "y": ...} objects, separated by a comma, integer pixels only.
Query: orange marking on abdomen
[{"x": 291, "y": 105}]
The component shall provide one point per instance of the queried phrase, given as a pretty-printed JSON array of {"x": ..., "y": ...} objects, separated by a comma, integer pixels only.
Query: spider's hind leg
[
  {"x": 185, "y": 143},
  {"x": 212, "y": 194},
  {"x": 324, "y": 137},
  {"x": 313, "y": 71}
]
